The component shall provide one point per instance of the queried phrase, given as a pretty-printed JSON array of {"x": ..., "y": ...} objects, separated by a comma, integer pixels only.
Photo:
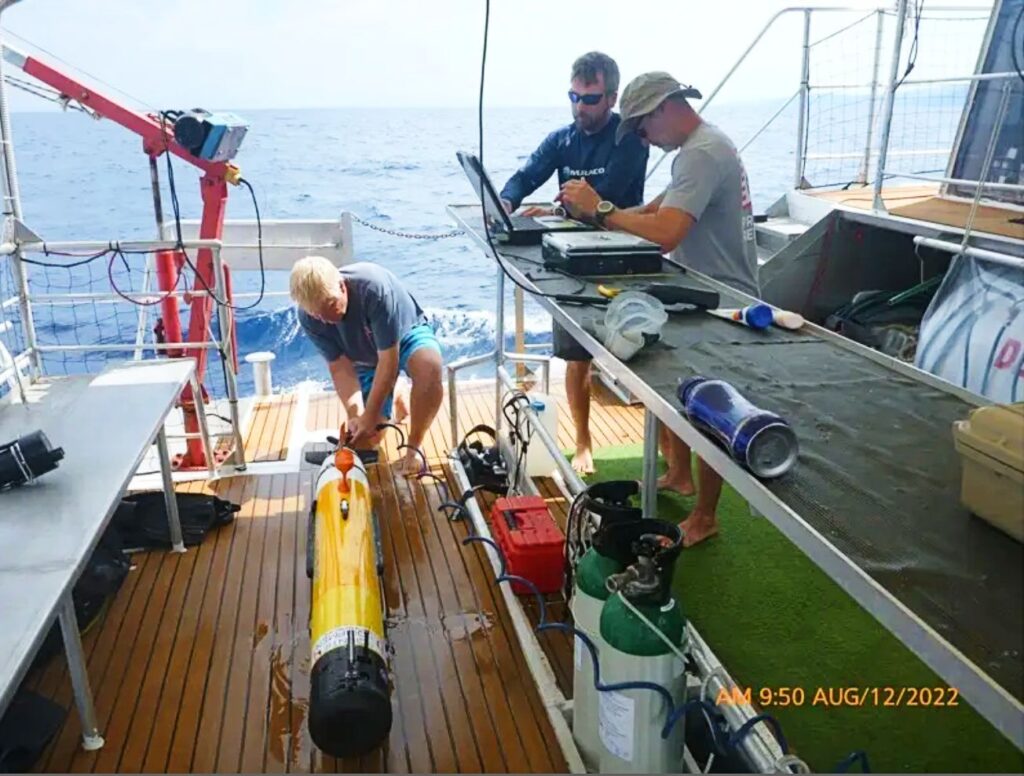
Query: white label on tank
[
  {"x": 338, "y": 638},
  {"x": 615, "y": 724},
  {"x": 578, "y": 651}
]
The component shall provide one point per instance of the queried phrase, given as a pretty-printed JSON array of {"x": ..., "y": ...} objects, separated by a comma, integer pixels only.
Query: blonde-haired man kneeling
[{"x": 369, "y": 328}]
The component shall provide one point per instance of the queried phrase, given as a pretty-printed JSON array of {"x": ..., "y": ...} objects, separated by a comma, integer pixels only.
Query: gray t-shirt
[
  {"x": 709, "y": 183},
  {"x": 380, "y": 312}
]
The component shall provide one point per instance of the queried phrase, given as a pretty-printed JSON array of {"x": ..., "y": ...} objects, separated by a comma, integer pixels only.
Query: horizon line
[{"x": 551, "y": 106}]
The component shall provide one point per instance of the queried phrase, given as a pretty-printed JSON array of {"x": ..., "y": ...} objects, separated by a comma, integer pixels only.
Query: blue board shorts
[{"x": 420, "y": 336}]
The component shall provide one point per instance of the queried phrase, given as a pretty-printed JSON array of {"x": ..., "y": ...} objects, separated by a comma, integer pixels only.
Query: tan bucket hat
[{"x": 644, "y": 94}]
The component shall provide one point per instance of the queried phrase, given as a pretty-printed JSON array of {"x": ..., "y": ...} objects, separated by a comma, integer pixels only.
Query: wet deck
[{"x": 201, "y": 661}]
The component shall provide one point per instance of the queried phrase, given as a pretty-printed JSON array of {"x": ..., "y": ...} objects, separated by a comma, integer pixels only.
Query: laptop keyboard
[{"x": 525, "y": 222}]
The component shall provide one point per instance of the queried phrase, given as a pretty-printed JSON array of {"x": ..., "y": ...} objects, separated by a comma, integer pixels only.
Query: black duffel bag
[
  {"x": 29, "y": 724},
  {"x": 145, "y": 525},
  {"x": 103, "y": 576}
]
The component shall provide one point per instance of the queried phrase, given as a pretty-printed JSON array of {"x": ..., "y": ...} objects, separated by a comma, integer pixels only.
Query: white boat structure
[{"x": 201, "y": 661}]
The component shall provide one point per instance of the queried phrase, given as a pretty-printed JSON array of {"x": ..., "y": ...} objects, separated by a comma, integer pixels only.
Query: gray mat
[{"x": 878, "y": 474}]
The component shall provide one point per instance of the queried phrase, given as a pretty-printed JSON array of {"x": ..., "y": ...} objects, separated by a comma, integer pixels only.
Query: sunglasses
[
  {"x": 640, "y": 132},
  {"x": 586, "y": 99}
]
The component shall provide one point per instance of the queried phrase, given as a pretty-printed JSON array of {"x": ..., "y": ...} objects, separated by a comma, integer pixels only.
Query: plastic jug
[{"x": 539, "y": 462}]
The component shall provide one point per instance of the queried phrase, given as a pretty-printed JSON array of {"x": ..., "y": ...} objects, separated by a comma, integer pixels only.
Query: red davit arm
[
  {"x": 155, "y": 136},
  {"x": 158, "y": 137}
]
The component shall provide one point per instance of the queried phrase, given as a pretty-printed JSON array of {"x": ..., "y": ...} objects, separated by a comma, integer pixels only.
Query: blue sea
[{"x": 87, "y": 179}]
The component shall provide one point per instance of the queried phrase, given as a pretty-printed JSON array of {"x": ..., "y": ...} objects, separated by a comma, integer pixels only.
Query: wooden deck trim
[
  {"x": 863, "y": 197},
  {"x": 502, "y": 641},
  {"x": 923, "y": 203},
  {"x": 270, "y": 429},
  {"x": 98, "y": 647},
  {"x": 201, "y": 661}
]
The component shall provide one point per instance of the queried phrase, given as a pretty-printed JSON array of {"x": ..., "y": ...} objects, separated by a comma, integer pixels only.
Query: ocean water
[{"x": 86, "y": 179}]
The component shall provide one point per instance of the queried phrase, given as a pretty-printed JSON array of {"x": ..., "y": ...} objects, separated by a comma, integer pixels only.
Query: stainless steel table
[
  {"x": 49, "y": 528},
  {"x": 874, "y": 499}
]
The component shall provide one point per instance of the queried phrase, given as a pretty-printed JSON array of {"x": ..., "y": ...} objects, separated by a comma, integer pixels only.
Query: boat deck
[
  {"x": 201, "y": 662},
  {"x": 923, "y": 203}
]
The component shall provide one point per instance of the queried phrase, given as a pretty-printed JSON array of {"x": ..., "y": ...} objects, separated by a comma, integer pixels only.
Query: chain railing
[{"x": 406, "y": 235}]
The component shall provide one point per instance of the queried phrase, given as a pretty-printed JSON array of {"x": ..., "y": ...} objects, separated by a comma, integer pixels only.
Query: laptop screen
[{"x": 478, "y": 178}]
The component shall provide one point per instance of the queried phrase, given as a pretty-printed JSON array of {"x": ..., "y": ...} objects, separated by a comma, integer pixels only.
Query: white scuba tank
[
  {"x": 618, "y": 523},
  {"x": 630, "y": 722},
  {"x": 644, "y": 629},
  {"x": 586, "y": 614}
]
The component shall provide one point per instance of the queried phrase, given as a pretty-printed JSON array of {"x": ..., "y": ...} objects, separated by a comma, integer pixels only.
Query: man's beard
[
  {"x": 585, "y": 123},
  {"x": 590, "y": 123}
]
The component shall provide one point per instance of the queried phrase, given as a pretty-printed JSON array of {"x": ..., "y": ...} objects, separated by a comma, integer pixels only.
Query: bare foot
[
  {"x": 583, "y": 461},
  {"x": 410, "y": 464},
  {"x": 681, "y": 485},
  {"x": 697, "y": 527}
]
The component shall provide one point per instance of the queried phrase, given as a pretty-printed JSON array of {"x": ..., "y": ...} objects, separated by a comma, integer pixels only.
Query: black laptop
[{"x": 512, "y": 230}]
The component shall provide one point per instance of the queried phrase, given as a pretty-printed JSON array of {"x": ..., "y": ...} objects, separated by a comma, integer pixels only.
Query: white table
[
  {"x": 845, "y": 496},
  {"x": 49, "y": 528}
]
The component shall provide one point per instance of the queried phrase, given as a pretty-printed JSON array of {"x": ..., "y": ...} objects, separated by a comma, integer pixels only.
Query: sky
[{"x": 237, "y": 54}]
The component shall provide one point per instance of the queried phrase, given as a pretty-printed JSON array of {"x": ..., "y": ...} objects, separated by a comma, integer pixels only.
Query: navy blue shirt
[{"x": 615, "y": 171}]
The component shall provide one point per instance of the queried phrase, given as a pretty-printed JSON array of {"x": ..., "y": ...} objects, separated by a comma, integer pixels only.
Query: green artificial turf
[{"x": 775, "y": 620}]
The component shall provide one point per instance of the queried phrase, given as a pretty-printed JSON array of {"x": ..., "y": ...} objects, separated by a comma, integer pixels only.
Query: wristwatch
[{"x": 604, "y": 209}]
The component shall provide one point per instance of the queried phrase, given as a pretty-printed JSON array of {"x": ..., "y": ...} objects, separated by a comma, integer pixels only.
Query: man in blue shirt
[
  {"x": 584, "y": 150},
  {"x": 368, "y": 328}
]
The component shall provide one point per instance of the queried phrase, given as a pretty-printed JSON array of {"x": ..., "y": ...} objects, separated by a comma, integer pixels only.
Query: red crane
[{"x": 157, "y": 138}]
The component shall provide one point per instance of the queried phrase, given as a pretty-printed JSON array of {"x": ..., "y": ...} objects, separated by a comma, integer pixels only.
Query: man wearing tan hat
[{"x": 703, "y": 219}]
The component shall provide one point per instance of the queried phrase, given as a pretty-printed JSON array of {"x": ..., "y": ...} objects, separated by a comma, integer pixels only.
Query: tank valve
[{"x": 649, "y": 578}]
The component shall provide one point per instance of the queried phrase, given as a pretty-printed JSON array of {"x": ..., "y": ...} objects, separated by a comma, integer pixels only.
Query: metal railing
[
  {"x": 760, "y": 747},
  {"x": 879, "y": 118},
  {"x": 982, "y": 184},
  {"x": 25, "y": 301},
  {"x": 223, "y": 344}
]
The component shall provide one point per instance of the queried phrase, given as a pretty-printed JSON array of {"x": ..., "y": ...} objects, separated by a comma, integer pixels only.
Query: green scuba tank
[
  {"x": 630, "y": 722},
  {"x": 606, "y": 503}
]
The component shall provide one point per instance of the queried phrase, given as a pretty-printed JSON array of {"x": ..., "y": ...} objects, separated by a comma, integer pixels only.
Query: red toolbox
[{"x": 534, "y": 546}]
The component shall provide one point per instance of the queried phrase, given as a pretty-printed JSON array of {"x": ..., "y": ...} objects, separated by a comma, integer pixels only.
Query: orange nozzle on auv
[{"x": 344, "y": 460}]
